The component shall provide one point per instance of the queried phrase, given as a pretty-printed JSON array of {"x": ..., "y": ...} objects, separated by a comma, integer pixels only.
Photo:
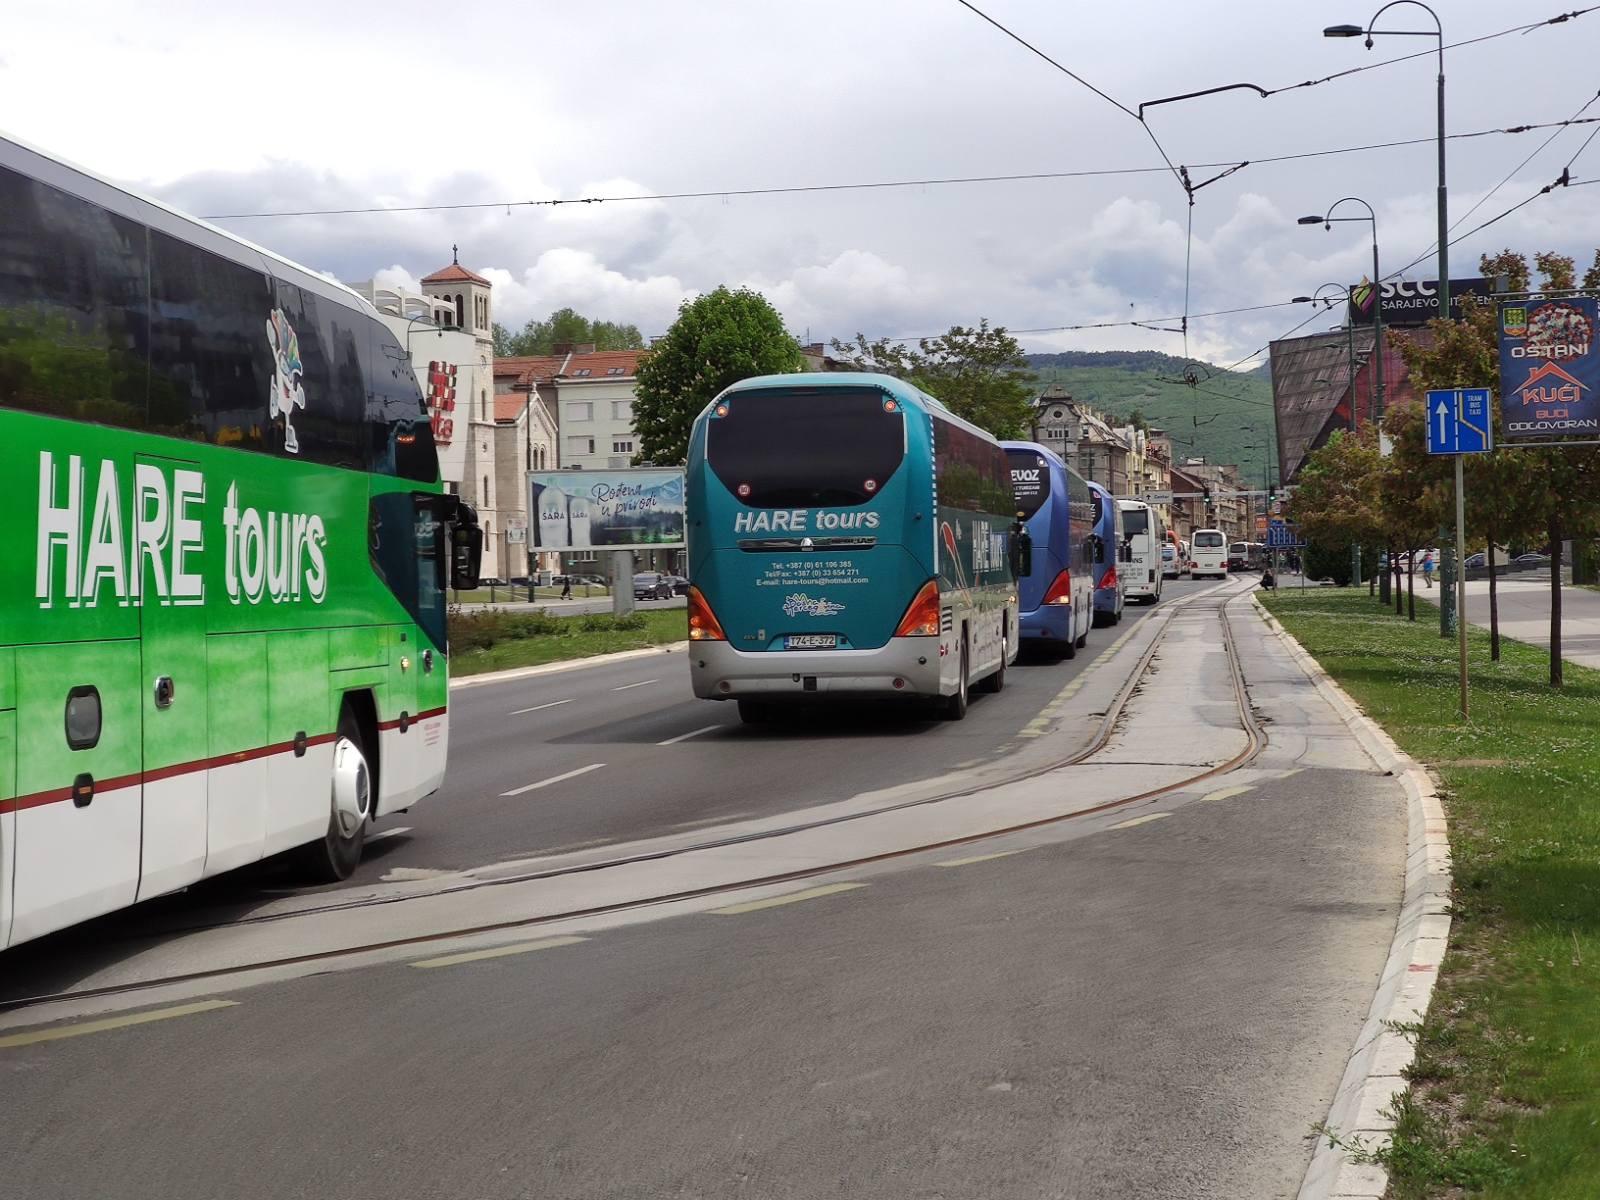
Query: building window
[
  {"x": 624, "y": 446},
  {"x": 483, "y": 400},
  {"x": 460, "y": 311},
  {"x": 616, "y": 371},
  {"x": 619, "y": 461},
  {"x": 580, "y": 412},
  {"x": 622, "y": 410},
  {"x": 484, "y": 497},
  {"x": 580, "y": 445},
  {"x": 582, "y": 373}
]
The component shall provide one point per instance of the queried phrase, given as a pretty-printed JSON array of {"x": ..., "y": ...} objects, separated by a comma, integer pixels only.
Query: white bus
[
  {"x": 1208, "y": 554},
  {"x": 1143, "y": 536}
]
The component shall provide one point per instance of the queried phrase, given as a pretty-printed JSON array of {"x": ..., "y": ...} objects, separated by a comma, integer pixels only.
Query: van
[
  {"x": 1143, "y": 538},
  {"x": 1208, "y": 554}
]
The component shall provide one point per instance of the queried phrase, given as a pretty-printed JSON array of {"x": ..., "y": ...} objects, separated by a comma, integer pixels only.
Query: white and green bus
[{"x": 222, "y": 601}]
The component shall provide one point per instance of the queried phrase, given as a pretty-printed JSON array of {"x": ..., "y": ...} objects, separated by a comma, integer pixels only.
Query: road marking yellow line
[
  {"x": 450, "y": 960},
  {"x": 1224, "y": 793},
  {"x": 57, "y": 1032},
  {"x": 978, "y": 858},
  {"x": 829, "y": 889},
  {"x": 1144, "y": 820}
]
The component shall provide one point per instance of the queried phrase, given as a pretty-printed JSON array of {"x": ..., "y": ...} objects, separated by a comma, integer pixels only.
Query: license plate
[{"x": 811, "y": 641}]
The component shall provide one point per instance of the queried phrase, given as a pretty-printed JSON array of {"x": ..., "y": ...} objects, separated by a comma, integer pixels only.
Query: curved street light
[{"x": 1326, "y": 220}]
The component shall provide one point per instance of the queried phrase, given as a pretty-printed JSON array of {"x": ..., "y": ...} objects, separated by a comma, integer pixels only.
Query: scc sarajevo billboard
[
  {"x": 1549, "y": 369},
  {"x": 640, "y": 508}
]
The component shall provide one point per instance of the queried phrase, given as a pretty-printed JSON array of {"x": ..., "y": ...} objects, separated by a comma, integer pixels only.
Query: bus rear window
[
  {"x": 1135, "y": 520},
  {"x": 781, "y": 448},
  {"x": 1030, "y": 480},
  {"x": 1208, "y": 541}
]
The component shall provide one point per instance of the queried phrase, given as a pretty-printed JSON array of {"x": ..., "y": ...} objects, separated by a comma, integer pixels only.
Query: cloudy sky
[{"x": 226, "y": 108}]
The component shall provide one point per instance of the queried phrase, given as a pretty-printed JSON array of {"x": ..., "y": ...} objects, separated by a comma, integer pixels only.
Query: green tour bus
[
  {"x": 848, "y": 536},
  {"x": 222, "y": 610}
]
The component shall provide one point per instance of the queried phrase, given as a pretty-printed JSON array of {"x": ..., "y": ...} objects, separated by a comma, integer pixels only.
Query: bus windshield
[
  {"x": 799, "y": 448},
  {"x": 1030, "y": 481}
]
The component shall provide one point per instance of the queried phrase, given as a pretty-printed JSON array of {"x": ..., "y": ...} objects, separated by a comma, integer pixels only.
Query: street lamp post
[
  {"x": 1454, "y": 600},
  {"x": 1326, "y": 220}
]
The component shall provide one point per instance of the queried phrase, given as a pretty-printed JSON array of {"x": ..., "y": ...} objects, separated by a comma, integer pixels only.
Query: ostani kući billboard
[
  {"x": 636, "y": 509},
  {"x": 1549, "y": 368}
]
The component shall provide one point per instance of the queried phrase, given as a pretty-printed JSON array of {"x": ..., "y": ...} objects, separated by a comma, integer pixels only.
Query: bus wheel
[
  {"x": 335, "y": 856},
  {"x": 1069, "y": 648},
  {"x": 955, "y": 707},
  {"x": 754, "y": 712},
  {"x": 997, "y": 681}
]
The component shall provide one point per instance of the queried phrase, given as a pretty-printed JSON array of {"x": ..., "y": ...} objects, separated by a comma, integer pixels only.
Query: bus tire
[
  {"x": 755, "y": 712},
  {"x": 1083, "y": 639},
  {"x": 997, "y": 682},
  {"x": 955, "y": 707},
  {"x": 337, "y": 853},
  {"x": 1069, "y": 648}
]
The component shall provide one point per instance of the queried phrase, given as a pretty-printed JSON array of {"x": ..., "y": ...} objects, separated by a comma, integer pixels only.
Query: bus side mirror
[
  {"x": 1021, "y": 553},
  {"x": 1099, "y": 549},
  {"x": 466, "y": 549},
  {"x": 1126, "y": 554}
]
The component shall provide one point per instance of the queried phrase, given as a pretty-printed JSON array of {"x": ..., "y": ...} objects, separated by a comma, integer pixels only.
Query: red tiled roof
[
  {"x": 455, "y": 273},
  {"x": 601, "y": 363},
  {"x": 509, "y": 406},
  {"x": 530, "y": 369}
]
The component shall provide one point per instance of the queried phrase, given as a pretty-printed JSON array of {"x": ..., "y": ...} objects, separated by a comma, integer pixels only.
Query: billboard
[
  {"x": 1413, "y": 302},
  {"x": 1549, "y": 368},
  {"x": 639, "y": 508}
]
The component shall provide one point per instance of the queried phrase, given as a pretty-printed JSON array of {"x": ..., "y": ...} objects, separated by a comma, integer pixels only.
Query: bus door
[{"x": 169, "y": 500}]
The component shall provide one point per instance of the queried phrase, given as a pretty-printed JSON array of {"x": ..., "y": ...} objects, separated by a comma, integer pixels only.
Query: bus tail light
[
  {"x": 703, "y": 624},
  {"x": 1061, "y": 590},
  {"x": 1109, "y": 580},
  {"x": 922, "y": 618}
]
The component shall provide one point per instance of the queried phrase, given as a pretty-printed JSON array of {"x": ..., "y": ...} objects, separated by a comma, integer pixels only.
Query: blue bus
[
  {"x": 1109, "y": 587},
  {"x": 847, "y": 536},
  {"x": 1057, "y": 588}
]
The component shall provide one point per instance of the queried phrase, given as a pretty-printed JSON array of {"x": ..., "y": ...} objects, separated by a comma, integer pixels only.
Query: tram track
[{"x": 1110, "y": 719}]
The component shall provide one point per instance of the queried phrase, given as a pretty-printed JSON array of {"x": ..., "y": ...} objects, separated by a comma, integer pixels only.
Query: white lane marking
[
  {"x": 684, "y": 737},
  {"x": 641, "y": 683},
  {"x": 450, "y": 960},
  {"x": 544, "y": 783},
  {"x": 539, "y": 707},
  {"x": 733, "y": 910},
  {"x": 387, "y": 833},
  {"x": 978, "y": 858},
  {"x": 1224, "y": 793},
  {"x": 58, "y": 1032},
  {"x": 1144, "y": 820}
]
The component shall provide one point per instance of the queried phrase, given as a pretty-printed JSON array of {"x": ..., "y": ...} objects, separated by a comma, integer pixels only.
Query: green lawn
[
  {"x": 1506, "y": 1086},
  {"x": 507, "y": 595},
  {"x": 496, "y": 640}
]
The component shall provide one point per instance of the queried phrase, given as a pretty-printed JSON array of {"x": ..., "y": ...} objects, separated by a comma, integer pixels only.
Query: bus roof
[
  {"x": 898, "y": 388},
  {"x": 1044, "y": 452},
  {"x": 59, "y": 173}
]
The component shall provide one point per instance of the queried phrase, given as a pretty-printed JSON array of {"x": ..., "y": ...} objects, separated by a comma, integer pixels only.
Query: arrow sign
[
  {"x": 1441, "y": 416},
  {"x": 1458, "y": 421}
]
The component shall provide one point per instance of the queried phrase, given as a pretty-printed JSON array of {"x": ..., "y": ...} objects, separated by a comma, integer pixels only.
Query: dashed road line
[
  {"x": 684, "y": 737},
  {"x": 539, "y": 707},
  {"x": 544, "y": 783},
  {"x": 1144, "y": 820},
  {"x": 978, "y": 858},
  {"x": 641, "y": 683},
  {"x": 57, "y": 1033},
  {"x": 829, "y": 889},
  {"x": 1225, "y": 793},
  {"x": 451, "y": 960},
  {"x": 387, "y": 833}
]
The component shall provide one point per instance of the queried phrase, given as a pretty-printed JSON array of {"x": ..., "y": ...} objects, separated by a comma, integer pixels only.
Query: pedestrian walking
[
  {"x": 566, "y": 587},
  {"x": 1427, "y": 568}
]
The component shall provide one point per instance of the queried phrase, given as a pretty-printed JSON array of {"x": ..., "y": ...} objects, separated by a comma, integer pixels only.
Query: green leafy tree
[
  {"x": 1336, "y": 503},
  {"x": 565, "y": 325},
  {"x": 1412, "y": 488},
  {"x": 980, "y": 374},
  {"x": 718, "y": 339}
]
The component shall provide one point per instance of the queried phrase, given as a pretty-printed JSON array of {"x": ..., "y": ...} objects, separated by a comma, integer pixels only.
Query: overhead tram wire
[{"x": 883, "y": 184}]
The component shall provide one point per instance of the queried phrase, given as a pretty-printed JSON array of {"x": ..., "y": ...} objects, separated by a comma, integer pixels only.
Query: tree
[
  {"x": 980, "y": 374},
  {"x": 1412, "y": 488},
  {"x": 718, "y": 339},
  {"x": 565, "y": 325},
  {"x": 1336, "y": 504}
]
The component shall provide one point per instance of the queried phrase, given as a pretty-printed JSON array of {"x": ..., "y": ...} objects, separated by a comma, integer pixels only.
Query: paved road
[
  {"x": 1525, "y": 615},
  {"x": 1156, "y": 1011}
]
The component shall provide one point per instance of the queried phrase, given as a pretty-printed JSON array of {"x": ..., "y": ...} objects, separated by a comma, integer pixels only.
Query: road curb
[
  {"x": 571, "y": 664},
  {"x": 1361, "y": 1114}
]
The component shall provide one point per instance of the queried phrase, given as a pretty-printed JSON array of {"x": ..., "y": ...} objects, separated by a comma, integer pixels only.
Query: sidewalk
[{"x": 1525, "y": 615}]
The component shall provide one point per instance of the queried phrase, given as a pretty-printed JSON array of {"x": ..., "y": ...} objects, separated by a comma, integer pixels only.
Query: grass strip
[
  {"x": 1505, "y": 1097},
  {"x": 495, "y": 640}
]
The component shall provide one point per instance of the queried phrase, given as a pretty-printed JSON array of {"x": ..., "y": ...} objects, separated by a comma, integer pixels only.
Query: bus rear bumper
[
  {"x": 719, "y": 672},
  {"x": 1047, "y": 623}
]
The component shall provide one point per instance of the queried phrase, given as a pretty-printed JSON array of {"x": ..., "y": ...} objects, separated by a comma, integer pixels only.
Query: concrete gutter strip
[
  {"x": 1373, "y": 1079},
  {"x": 571, "y": 664}
]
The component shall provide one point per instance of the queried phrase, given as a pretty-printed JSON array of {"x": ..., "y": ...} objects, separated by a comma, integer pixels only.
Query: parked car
[
  {"x": 1171, "y": 568},
  {"x": 1532, "y": 560},
  {"x": 1480, "y": 559},
  {"x": 680, "y": 585},
  {"x": 491, "y": 581},
  {"x": 652, "y": 585}
]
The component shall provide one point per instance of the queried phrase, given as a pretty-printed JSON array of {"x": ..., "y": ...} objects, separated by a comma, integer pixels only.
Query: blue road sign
[
  {"x": 1283, "y": 536},
  {"x": 1459, "y": 421}
]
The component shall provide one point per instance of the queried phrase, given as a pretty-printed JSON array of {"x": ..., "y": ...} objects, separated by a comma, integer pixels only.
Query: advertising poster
[
  {"x": 639, "y": 508},
  {"x": 1549, "y": 368}
]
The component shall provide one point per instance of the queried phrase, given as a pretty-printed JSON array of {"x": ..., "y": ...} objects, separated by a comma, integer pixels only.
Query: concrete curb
[
  {"x": 1373, "y": 1077},
  {"x": 571, "y": 664}
]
